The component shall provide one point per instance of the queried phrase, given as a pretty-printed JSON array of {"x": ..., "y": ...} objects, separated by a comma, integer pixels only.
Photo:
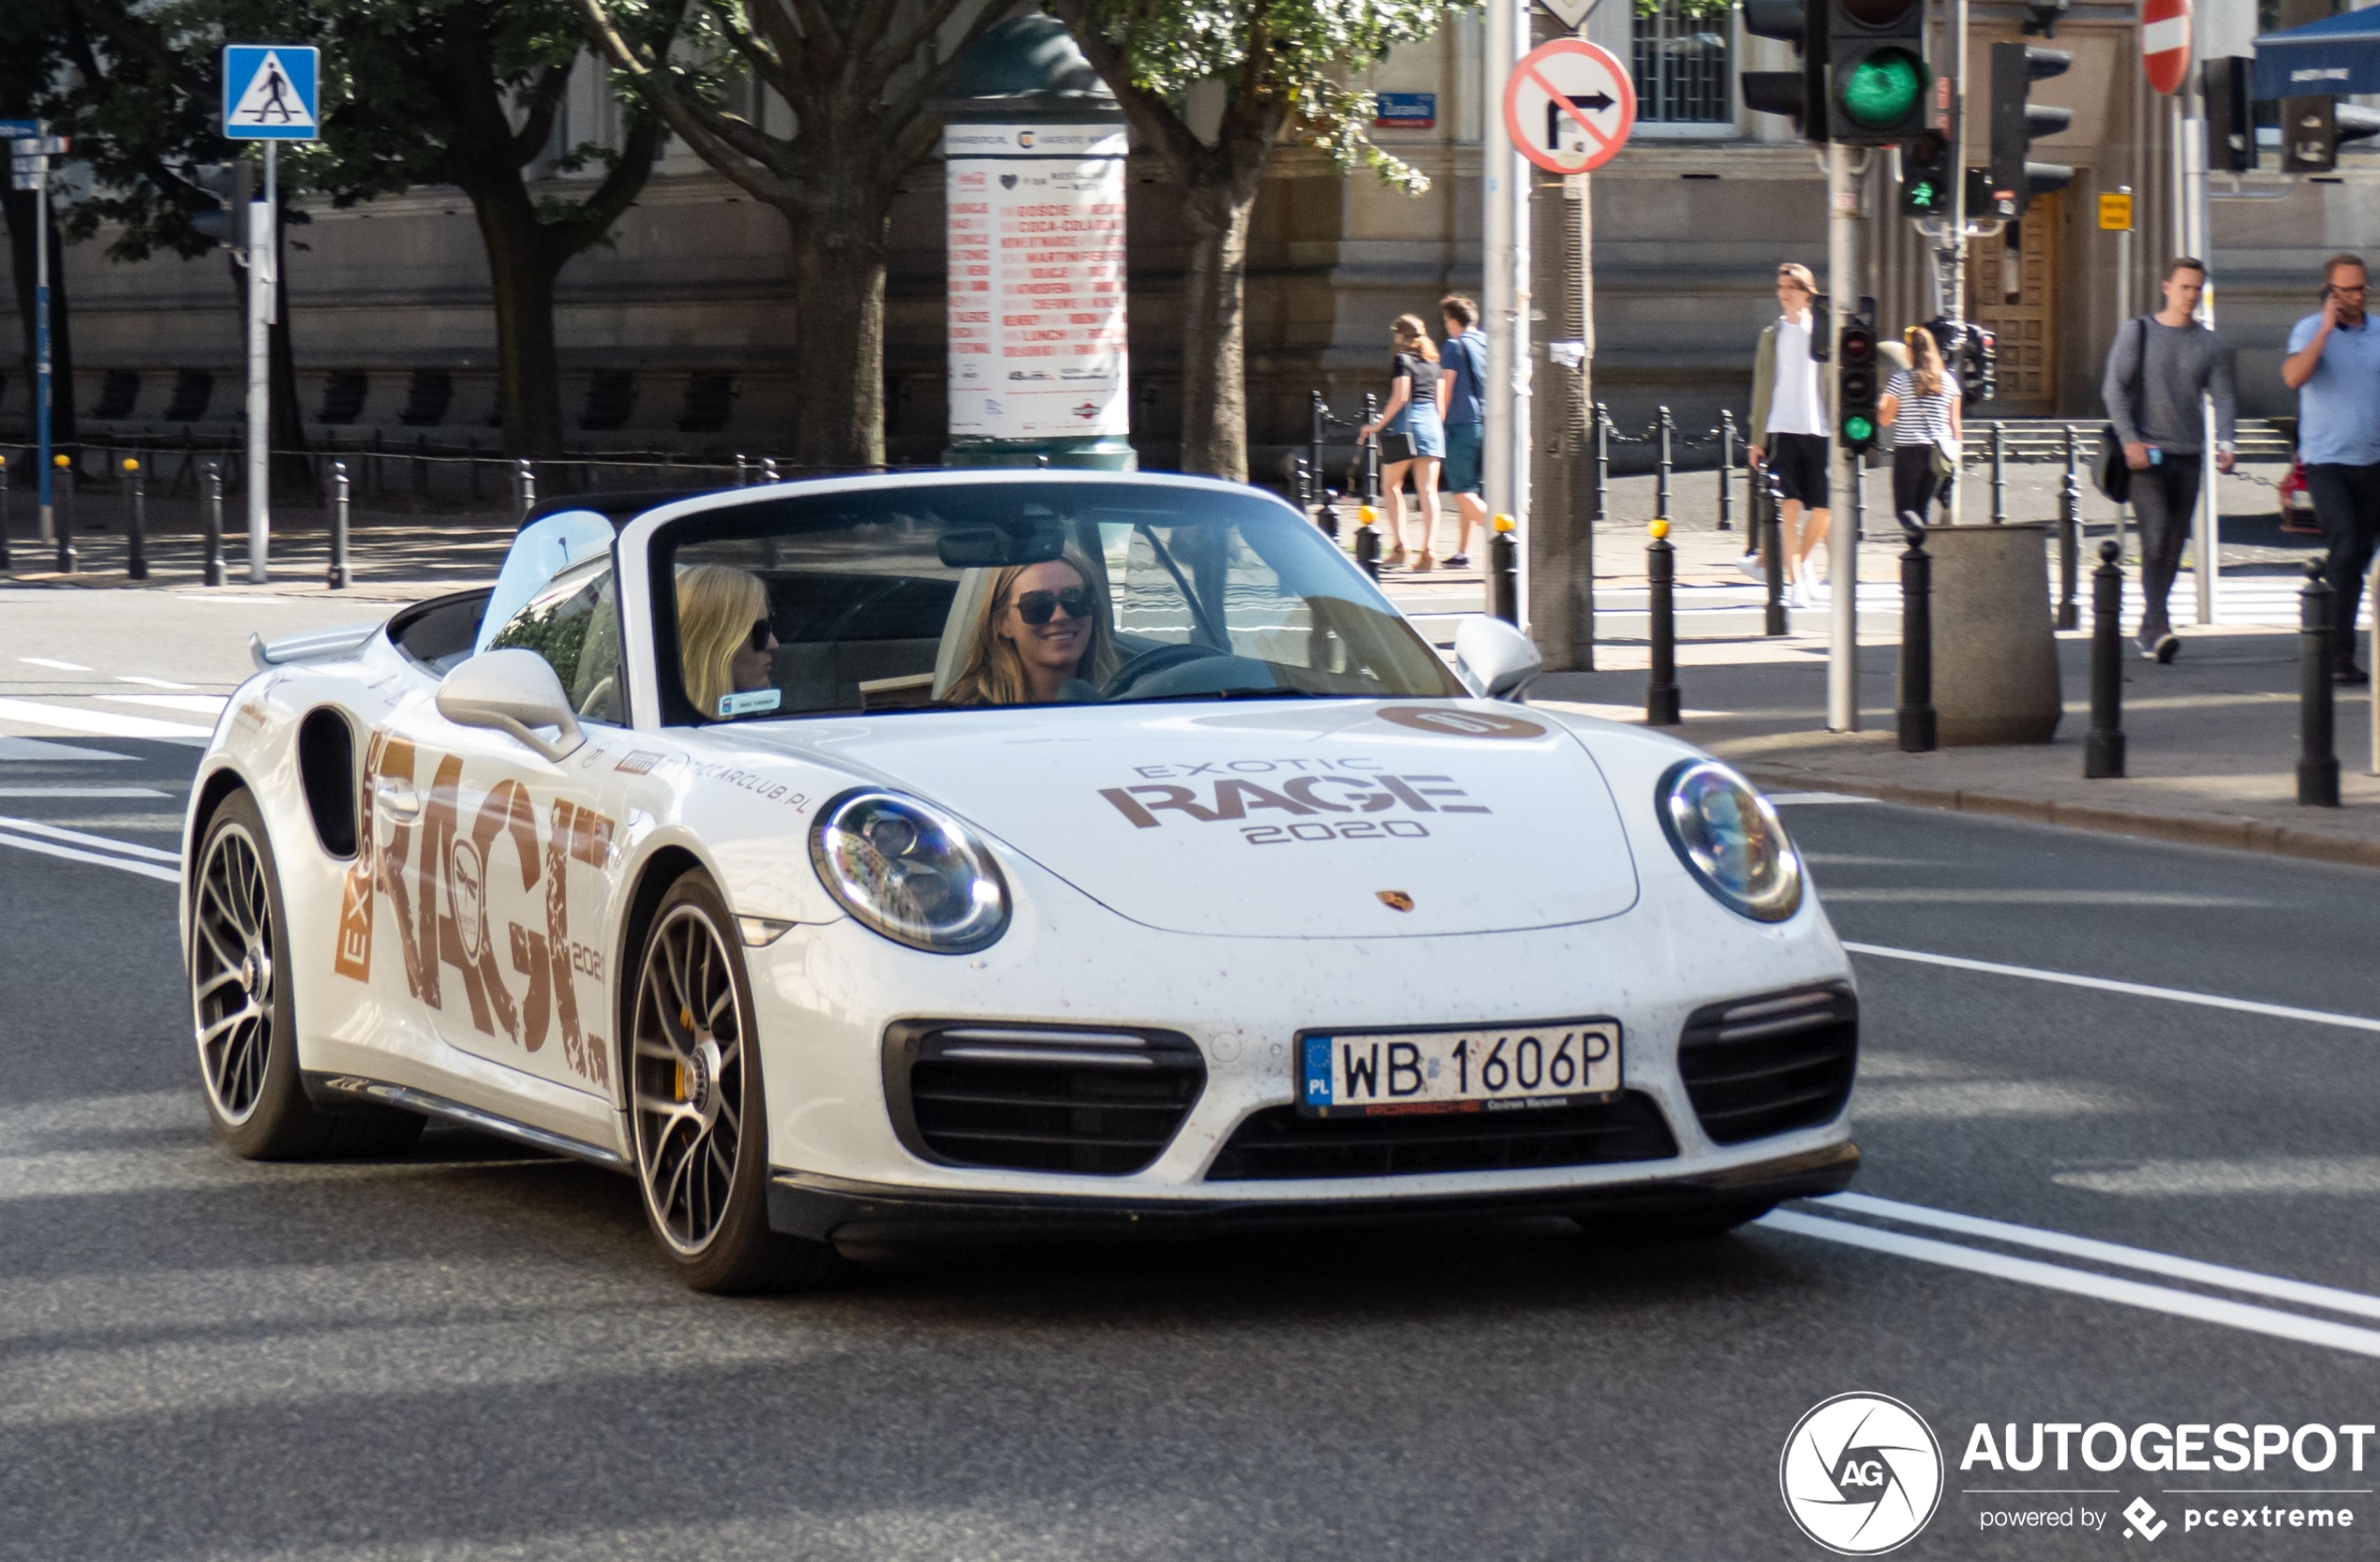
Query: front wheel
[{"x": 699, "y": 1108}]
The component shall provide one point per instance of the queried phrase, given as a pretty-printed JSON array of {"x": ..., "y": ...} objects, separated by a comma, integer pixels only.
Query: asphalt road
[{"x": 469, "y": 1352}]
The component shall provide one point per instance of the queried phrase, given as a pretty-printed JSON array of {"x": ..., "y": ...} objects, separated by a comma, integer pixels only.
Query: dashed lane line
[
  {"x": 77, "y": 837},
  {"x": 106, "y": 723},
  {"x": 80, "y": 792},
  {"x": 146, "y": 870},
  {"x": 2076, "y": 1282},
  {"x": 2130, "y": 989}
]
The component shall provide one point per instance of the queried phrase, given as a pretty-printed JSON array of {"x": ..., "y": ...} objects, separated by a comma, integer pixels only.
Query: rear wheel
[
  {"x": 699, "y": 1107},
  {"x": 243, "y": 1007}
]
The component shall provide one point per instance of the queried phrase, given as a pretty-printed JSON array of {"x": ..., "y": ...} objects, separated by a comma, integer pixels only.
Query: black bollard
[
  {"x": 1602, "y": 463},
  {"x": 1317, "y": 414},
  {"x": 1329, "y": 518},
  {"x": 1773, "y": 553},
  {"x": 524, "y": 483},
  {"x": 1504, "y": 572},
  {"x": 1367, "y": 542},
  {"x": 67, "y": 556},
  {"x": 135, "y": 520},
  {"x": 1664, "y": 428},
  {"x": 2317, "y": 766},
  {"x": 1660, "y": 686},
  {"x": 211, "y": 492},
  {"x": 2069, "y": 530},
  {"x": 2104, "y": 748},
  {"x": 1726, "y": 467},
  {"x": 1301, "y": 483},
  {"x": 338, "y": 575},
  {"x": 1998, "y": 473},
  {"x": 1916, "y": 708},
  {"x": 1371, "y": 452}
]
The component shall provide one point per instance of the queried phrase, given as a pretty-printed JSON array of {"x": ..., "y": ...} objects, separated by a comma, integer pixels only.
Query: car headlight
[
  {"x": 1729, "y": 836},
  {"x": 910, "y": 871}
]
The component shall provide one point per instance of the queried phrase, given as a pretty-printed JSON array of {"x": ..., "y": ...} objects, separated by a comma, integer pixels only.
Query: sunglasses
[
  {"x": 1038, "y": 607},
  {"x": 761, "y": 631}
]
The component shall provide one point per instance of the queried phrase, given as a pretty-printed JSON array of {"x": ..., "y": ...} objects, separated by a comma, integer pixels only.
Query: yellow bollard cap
[
  {"x": 1365, "y": 514},
  {"x": 61, "y": 459},
  {"x": 130, "y": 464},
  {"x": 1505, "y": 523},
  {"x": 1659, "y": 529}
]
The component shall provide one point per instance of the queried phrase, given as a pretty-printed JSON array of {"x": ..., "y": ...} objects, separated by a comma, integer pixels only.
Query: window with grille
[{"x": 1682, "y": 71}]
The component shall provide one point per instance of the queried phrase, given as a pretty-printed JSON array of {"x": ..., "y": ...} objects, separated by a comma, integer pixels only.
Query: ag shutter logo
[{"x": 1861, "y": 1474}]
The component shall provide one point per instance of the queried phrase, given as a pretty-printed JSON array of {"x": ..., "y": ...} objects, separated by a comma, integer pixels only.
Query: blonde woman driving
[
  {"x": 1042, "y": 626},
  {"x": 724, "y": 643}
]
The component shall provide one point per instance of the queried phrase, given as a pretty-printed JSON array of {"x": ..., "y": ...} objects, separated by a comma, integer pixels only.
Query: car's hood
[{"x": 1342, "y": 819}]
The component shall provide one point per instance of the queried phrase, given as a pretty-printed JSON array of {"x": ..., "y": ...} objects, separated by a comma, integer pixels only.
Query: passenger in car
[
  {"x": 725, "y": 642},
  {"x": 1043, "y": 627}
]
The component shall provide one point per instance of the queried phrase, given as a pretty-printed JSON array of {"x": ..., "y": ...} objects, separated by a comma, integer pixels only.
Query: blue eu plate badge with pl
[{"x": 1405, "y": 1073}]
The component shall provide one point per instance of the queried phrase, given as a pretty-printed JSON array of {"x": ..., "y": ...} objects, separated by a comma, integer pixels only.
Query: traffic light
[
  {"x": 2313, "y": 127},
  {"x": 2018, "y": 122},
  {"x": 1855, "y": 386},
  {"x": 226, "y": 221},
  {"x": 1876, "y": 68},
  {"x": 1979, "y": 379},
  {"x": 2231, "y": 116},
  {"x": 1925, "y": 176},
  {"x": 1798, "y": 94}
]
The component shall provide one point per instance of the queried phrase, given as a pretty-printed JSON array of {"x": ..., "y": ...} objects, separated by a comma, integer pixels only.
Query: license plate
[{"x": 1379, "y": 1074}]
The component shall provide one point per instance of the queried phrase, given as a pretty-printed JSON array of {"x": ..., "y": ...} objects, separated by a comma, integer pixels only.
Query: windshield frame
[{"x": 649, "y": 545}]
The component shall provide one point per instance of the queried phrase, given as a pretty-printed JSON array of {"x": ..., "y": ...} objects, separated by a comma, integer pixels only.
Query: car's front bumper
[{"x": 864, "y": 1214}]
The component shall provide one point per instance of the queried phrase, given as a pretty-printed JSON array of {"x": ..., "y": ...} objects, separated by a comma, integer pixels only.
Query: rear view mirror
[
  {"x": 1491, "y": 657},
  {"x": 992, "y": 547},
  {"x": 513, "y": 691}
]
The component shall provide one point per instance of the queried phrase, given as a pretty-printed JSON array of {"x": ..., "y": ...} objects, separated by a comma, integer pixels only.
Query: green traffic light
[
  {"x": 1923, "y": 196},
  {"x": 1858, "y": 430},
  {"x": 1883, "y": 88}
]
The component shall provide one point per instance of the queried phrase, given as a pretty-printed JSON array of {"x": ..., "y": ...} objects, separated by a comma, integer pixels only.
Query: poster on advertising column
[{"x": 1036, "y": 233}]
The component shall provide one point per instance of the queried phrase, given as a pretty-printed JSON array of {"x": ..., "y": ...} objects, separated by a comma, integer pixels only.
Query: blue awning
[{"x": 2334, "y": 57}]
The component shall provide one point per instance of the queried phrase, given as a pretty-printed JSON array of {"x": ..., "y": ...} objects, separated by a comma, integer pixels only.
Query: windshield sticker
[
  {"x": 1303, "y": 796},
  {"x": 1459, "y": 723},
  {"x": 752, "y": 702}
]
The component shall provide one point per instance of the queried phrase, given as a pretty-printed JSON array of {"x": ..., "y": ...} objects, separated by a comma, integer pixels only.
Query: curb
[{"x": 2231, "y": 833}]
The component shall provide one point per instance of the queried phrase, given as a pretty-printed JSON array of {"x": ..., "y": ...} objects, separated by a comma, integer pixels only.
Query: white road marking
[
  {"x": 1967, "y": 1100},
  {"x": 2329, "y": 1297},
  {"x": 105, "y": 843},
  {"x": 2354, "y": 1175},
  {"x": 104, "y": 723},
  {"x": 80, "y": 792},
  {"x": 202, "y": 705},
  {"x": 49, "y": 748},
  {"x": 168, "y": 683},
  {"x": 46, "y": 849},
  {"x": 1789, "y": 798},
  {"x": 2132, "y": 989},
  {"x": 52, "y": 661},
  {"x": 1929, "y": 896},
  {"x": 2076, "y": 1282}
]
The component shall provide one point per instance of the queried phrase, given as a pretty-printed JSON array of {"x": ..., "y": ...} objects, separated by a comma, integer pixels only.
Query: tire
[
  {"x": 698, "y": 1107},
  {"x": 243, "y": 1007}
]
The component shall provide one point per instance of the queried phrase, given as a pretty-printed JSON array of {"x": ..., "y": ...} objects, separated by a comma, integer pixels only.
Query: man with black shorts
[{"x": 1789, "y": 427}]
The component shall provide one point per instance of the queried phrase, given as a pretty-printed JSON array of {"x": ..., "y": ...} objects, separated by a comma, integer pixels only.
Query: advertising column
[{"x": 1038, "y": 364}]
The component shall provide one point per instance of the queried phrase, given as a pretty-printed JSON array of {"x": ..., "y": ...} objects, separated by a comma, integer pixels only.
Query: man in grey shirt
[{"x": 2157, "y": 370}]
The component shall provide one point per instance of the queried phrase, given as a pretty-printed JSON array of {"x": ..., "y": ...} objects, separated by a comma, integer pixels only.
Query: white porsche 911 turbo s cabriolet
[{"x": 903, "y": 858}]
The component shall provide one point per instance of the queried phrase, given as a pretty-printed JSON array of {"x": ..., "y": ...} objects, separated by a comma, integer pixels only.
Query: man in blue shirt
[
  {"x": 1465, "y": 355},
  {"x": 2334, "y": 367}
]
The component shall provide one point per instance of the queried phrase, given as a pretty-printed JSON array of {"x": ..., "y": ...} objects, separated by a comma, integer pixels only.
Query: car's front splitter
[{"x": 866, "y": 1214}]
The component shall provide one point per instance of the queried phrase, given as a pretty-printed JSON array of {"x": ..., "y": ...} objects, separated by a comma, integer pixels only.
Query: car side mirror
[
  {"x": 514, "y": 692},
  {"x": 1494, "y": 659}
]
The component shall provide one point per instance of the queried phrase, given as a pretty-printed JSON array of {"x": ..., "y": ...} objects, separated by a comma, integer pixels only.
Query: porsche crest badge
[{"x": 1395, "y": 900}]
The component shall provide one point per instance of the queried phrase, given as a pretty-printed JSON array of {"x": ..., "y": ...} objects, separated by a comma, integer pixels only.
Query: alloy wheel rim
[
  {"x": 687, "y": 1079},
  {"x": 231, "y": 974}
]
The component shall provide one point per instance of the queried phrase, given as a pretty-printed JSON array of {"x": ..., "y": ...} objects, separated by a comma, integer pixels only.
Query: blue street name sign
[
  {"x": 272, "y": 92},
  {"x": 12, "y": 128},
  {"x": 1406, "y": 111}
]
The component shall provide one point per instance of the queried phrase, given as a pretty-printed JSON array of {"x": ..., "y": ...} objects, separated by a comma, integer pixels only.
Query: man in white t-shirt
[{"x": 1789, "y": 428}]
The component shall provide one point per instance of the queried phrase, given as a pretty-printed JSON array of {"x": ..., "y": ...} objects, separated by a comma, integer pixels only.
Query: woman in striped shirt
[{"x": 1920, "y": 406}]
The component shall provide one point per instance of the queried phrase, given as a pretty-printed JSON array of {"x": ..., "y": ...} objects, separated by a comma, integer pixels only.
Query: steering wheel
[{"x": 1157, "y": 659}]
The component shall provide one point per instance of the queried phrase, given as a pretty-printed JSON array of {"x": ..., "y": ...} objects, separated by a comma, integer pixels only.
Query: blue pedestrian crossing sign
[{"x": 272, "y": 92}]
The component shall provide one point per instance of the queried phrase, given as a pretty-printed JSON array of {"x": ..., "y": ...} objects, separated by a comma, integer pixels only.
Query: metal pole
[
  {"x": 1772, "y": 553},
  {"x": 2104, "y": 748},
  {"x": 1952, "y": 101},
  {"x": 1843, "y": 543},
  {"x": 211, "y": 497},
  {"x": 1726, "y": 466},
  {"x": 2123, "y": 266},
  {"x": 524, "y": 484},
  {"x": 338, "y": 578},
  {"x": 6, "y": 506},
  {"x": 135, "y": 520},
  {"x": 67, "y": 556},
  {"x": 1999, "y": 473},
  {"x": 1505, "y": 267},
  {"x": 2317, "y": 766},
  {"x": 1504, "y": 573},
  {"x": 41, "y": 366},
  {"x": 1602, "y": 463},
  {"x": 2069, "y": 529},
  {"x": 1667, "y": 427},
  {"x": 1660, "y": 685},
  {"x": 263, "y": 218},
  {"x": 1915, "y": 715},
  {"x": 1316, "y": 412},
  {"x": 2210, "y": 519}
]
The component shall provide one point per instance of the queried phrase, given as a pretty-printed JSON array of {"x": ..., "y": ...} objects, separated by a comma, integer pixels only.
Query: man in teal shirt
[{"x": 2334, "y": 367}]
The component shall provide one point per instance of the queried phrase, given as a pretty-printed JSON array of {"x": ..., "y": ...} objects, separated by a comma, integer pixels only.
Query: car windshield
[{"x": 957, "y": 596}]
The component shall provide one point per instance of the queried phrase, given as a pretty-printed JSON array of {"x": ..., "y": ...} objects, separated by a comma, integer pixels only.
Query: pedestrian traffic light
[
  {"x": 2018, "y": 122},
  {"x": 225, "y": 222},
  {"x": 1801, "y": 94},
  {"x": 2231, "y": 119},
  {"x": 1979, "y": 379},
  {"x": 1925, "y": 176},
  {"x": 2313, "y": 127},
  {"x": 1876, "y": 67},
  {"x": 1855, "y": 386}
]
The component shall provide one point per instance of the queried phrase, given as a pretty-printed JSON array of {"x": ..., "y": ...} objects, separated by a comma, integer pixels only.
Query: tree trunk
[
  {"x": 839, "y": 294},
  {"x": 522, "y": 268},
  {"x": 1215, "y": 381},
  {"x": 19, "y": 205}
]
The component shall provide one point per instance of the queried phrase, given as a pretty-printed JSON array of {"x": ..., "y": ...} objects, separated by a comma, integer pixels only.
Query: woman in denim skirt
[{"x": 1417, "y": 392}]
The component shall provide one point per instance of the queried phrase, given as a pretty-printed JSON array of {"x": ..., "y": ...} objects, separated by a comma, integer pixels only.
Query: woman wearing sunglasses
[
  {"x": 1043, "y": 625},
  {"x": 725, "y": 644}
]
